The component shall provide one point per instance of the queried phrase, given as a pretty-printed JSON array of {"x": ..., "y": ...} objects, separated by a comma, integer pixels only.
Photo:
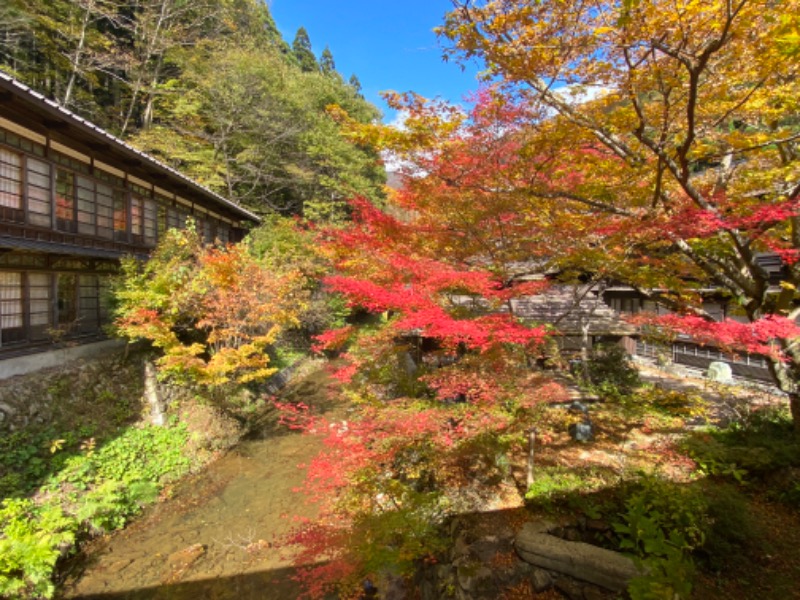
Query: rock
[
  {"x": 582, "y": 432},
  {"x": 597, "y": 525},
  {"x": 720, "y": 372},
  {"x": 477, "y": 581},
  {"x": 486, "y": 549},
  {"x": 541, "y": 580},
  {"x": 407, "y": 364},
  {"x": 513, "y": 573},
  {"x": 428, "y": 589},
  {"x": 5, "y": 409},
  {"x": 394, "y": 589},
  {"x": 569, "y": 588},
  {"x": 178, "y": 563},
  {"x": 444, "y": 578},
  {"x": 610, "y": 570},
  {"x": 456, "y": 526},
  {"x": 577, "y": 406},
  {"x": 559, "y": 532},
  {"x": 461, "y": 546},
  {"x": 118, "y": 565},
  {"x": 592, "y": 592},
  {"x": 152, "y": 395}
]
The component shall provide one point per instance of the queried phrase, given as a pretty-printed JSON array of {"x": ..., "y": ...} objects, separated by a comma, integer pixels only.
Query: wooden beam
[{"x": 55, "y": 124}]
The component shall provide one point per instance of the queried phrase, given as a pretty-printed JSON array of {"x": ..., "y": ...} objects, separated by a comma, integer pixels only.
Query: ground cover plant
[
  {"x": 95, "y": 485},
  {"x": 87, "y": 471}
]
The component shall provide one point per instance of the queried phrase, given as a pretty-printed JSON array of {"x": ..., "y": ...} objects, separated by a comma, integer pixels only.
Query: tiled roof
[
  {"x": 569, "y": 309},
  {"x": 21, "y": 90}
]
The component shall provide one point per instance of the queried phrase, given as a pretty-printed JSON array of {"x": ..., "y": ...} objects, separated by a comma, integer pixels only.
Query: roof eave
[{"x": 53, "y": 109}]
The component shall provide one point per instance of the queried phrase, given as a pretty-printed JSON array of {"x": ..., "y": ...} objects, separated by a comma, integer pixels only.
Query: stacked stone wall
[{"x": 111, "y": 384}]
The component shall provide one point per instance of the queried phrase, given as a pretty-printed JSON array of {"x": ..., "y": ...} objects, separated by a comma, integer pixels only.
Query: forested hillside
[{"x": 207, "y": 86}]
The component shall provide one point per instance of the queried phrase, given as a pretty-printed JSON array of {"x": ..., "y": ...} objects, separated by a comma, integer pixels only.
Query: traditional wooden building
[
  {"x": 73, "y": 200},
  {"x": 579, "y": 316},
  {"x": 686, "y": 351},
  {"x": 583, "y": 316}
]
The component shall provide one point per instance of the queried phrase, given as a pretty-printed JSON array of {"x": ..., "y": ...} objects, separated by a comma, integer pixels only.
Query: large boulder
[
  {"x": 605, "y": 568},
  {"x": 720, "y": 372}
]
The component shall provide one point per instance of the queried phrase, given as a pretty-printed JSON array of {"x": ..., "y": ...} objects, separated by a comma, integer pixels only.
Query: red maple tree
[{"x": 436, "y": 363}]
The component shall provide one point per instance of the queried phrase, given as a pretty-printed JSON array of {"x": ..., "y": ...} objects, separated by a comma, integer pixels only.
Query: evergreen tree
[
  {"x": 355, "y": 84},
  {"x": 301, "y": 48},
  {"x": 326, "y": 62},
  {"x": 15, "y": 36},
  {"x": 209, "y": 87}
]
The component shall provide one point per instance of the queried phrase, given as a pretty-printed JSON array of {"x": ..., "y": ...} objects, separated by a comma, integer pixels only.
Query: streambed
[{"x": 215, "y": 537}]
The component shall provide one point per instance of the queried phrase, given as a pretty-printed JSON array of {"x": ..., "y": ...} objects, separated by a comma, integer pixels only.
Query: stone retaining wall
[
  {"x": 73, "y": 388},
  {"x": 507, "y": 564}
]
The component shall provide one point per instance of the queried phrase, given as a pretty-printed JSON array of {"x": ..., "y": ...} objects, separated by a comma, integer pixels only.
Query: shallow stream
[{"x": 214, "y": 538}]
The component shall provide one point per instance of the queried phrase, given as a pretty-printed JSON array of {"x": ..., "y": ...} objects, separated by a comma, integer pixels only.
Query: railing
[
  {"x": 747, "y": 366},
  {"x": 23, "y": 232}
]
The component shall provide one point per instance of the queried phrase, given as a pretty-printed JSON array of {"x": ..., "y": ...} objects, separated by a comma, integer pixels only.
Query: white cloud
[
  {"x": 579, "y": 94},
  {"x": 399, "y": 121}
]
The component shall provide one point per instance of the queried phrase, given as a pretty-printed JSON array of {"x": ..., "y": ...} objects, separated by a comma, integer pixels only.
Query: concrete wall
[{"x": 30, "y": 363}]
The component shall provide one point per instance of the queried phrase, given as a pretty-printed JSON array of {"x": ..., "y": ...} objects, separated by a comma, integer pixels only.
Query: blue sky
[{"x": 389, "y": 45}]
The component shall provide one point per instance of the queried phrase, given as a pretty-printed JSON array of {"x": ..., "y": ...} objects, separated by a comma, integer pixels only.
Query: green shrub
[
  {"x": 762, "y": 443},
  {"x": 732, "y": 529},
  {"x": 147, "y": 453},
  {"x": 791, "y": 494},
  {"x": 33, "y": 537},
  {"x": 88, "y": 489},
  {"x": 108, "y": 506},
  {"x": 24, "y": 461},
  {"x": 551, "y": 485},
  {"x": 611, "y": 372},
  {"x": 673, "y": 403},
  {"x": 662, "y": 525}
]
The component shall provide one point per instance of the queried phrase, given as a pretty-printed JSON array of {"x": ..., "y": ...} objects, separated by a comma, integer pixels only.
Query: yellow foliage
[{"x": 214, "y": 312}]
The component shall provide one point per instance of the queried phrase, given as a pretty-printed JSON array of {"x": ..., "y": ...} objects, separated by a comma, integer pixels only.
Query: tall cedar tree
[
  {"x": 355, "y": 83},
  {"x": 301, "y": 49},
  {"x": 326, "y": 62}
]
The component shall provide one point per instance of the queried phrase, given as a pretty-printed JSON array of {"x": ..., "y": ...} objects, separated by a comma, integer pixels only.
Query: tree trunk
[
  {"x": 75, "y": 61},
  {"x": 151, "y": 47},
  {"x": 147, "y": 117},
  {"x": 782, "y": 374},
  {"x": 585, "y": 350},
  {"x": 794, "y": 407}
]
